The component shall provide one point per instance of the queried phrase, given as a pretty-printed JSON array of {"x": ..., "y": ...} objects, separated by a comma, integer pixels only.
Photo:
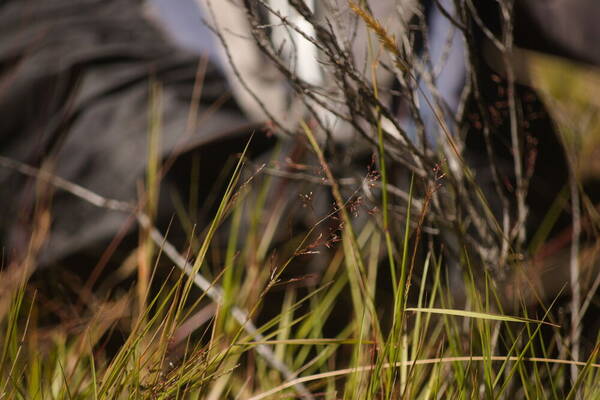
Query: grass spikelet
[{"x": 387, "y": 40}]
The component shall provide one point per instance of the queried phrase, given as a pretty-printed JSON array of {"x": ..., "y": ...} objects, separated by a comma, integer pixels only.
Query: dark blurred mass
[{"x": 77, "y": 82}]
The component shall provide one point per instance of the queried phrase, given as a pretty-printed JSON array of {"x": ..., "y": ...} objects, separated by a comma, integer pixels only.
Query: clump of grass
[{"x": 183, "y": 344}]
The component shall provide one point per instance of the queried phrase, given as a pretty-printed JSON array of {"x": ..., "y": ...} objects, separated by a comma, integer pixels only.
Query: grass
[{"x": 342, "y": 334}]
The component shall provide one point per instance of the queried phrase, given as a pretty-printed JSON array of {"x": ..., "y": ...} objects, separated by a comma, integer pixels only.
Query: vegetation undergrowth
[{"x": 339, "y": 331}]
